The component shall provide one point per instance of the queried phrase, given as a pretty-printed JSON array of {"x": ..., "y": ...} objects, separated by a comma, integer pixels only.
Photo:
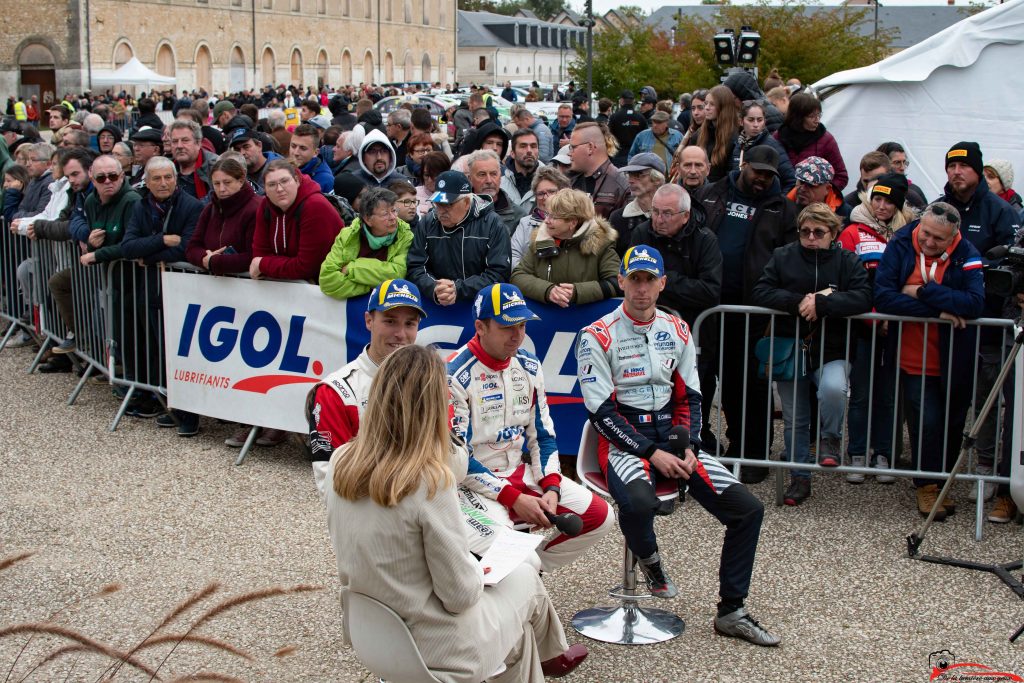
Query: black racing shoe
[
  {"x": 799, "y": 490},
  {"x": 660, "y": 584}
]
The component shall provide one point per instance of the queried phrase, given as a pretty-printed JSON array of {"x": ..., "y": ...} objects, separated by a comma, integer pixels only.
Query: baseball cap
[
  {"x": 762, "y": 158},
  {"x": 10, "y": 125},
  {"x": 642, "y": 258},
  {"x": 240, "y": 135},
  {"x": 503, "y": 302},
  {"x": 237, "y": 121},
  {"x": 660, "y": 116},
  {"x": 148, "y": 134},
  {"x": 814, "y": 171},
  {"x": 450, "y": 187},
  {"x": 626, "y": 95},
  {"x": 644, "y": 161},
  {"x": 563, "y": 156},
  {"x": 221, "y": 107},
  {"x": 393, "y": 294}
]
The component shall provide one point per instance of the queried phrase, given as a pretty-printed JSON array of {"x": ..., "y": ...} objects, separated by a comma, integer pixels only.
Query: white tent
[
  {"x": 133, "y": 72},
  {"x": 964, "y": 83}
]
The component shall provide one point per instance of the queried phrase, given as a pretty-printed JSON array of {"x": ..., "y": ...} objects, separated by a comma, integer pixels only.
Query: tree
[
  {"x": 808, "y": 45},
  {"x": 545, "y": 9}
]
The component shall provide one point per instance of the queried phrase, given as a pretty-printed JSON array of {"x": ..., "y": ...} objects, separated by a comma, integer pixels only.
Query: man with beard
[
  {"x": 520, "y": 167},
  {"x": 751, "y": 218}
]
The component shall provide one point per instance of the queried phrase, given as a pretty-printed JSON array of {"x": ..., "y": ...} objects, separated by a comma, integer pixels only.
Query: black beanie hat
[
  {"x": 969, "y": 153},
  {"x": 892, "y": 186}
]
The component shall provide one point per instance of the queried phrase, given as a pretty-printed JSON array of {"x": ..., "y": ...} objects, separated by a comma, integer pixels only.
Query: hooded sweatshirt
[
  {"x": 226, "y": 223},
  {"x": 391, "y": 175},
  {"x": 293, "y": 243}
]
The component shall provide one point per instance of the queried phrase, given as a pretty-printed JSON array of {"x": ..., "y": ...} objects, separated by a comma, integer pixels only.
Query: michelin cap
[
  {"x": 451, "y": 186},
  {"x": 394, "y": 294},
  {"x": 642, "y": 258},
  {"x": 504, "y": 303}
]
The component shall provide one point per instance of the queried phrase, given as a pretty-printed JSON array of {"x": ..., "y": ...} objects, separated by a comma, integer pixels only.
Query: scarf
[
  {"x": 378, "y": 242},
  {"x": 861, "y": 214},
  {"x": 799, "y": 140}
]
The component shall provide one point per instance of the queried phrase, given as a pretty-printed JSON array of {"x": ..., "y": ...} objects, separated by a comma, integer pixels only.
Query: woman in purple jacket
[
  {"x": 222, "y": 241},
  {"x": 803, "y": 135}
]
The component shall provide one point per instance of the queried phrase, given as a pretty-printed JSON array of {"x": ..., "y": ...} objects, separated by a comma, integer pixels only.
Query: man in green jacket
[
  {"x": 107, "y": 211},
  {"x": 370, "y": 250}
]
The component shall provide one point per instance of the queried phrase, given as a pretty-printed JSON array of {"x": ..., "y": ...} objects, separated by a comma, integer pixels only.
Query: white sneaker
[
  {"x": 990, "y": 488},
  {"x": 882, "y": 463},
  {"x": 856, "y": 477}
]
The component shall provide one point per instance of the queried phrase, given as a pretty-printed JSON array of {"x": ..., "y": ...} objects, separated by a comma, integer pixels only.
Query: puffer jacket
[
  {"x": 362, "y": 273},
  {"x": 795, "y": 271},
  {"x": 588, "y": 260}
]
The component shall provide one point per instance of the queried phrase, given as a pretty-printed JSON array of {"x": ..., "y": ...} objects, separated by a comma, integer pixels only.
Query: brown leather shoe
[
  {"x": 272, "y": 437},
  {"x": 565, "y": 663}
]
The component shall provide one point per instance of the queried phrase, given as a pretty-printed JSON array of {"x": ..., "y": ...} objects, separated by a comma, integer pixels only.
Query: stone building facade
[{"x": 227, "y": 45}]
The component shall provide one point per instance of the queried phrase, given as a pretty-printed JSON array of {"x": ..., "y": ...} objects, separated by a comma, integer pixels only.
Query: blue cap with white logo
[
  {"x": 642, "y": 258},
  {"x": 503, "y": 302},
  {"x": 393, "y": 294}
]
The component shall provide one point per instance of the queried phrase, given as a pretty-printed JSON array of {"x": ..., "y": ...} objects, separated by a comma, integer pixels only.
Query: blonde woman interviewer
[{"x": 397, "y": 531}]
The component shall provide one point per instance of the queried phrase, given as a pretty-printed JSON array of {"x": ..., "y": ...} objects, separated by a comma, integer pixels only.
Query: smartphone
[{"x": 230, "y": 250}]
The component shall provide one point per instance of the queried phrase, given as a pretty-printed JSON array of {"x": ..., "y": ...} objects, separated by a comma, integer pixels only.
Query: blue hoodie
[{"x": 321, "y": 174}]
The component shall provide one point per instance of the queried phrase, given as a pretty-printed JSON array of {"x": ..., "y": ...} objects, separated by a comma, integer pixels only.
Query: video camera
[{"x": 1008, "y": 279}]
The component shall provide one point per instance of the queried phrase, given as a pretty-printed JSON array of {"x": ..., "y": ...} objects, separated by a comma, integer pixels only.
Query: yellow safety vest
[{"x": 20, "y": 112}]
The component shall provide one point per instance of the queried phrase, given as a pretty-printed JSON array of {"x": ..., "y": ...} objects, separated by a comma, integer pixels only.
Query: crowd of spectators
[{"x": 741, "y": 193}]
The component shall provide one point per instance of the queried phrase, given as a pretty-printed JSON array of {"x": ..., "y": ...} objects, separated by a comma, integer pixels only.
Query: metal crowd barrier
[
  {"x": 861, "y": 333},
  {"x": 15, "y": 306}
]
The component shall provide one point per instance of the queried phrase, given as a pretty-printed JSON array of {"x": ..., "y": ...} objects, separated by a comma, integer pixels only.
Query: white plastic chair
[
  {"x": 629, "y": 623},
  {"x": 382, "y": 641}
]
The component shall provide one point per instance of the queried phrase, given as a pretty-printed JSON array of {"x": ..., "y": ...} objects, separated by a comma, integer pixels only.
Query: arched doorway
[
  {"x": 346, "y": 68},
  {"x": 389, "y": 68},
  {"x": 425, "y": 74},
  {"x": 166, "y": 65},
  {"x": 269, "y": 67},
  {"x": 204, "y": 69},
  {"x": 236, "y": 70},
  {"x": 321, "y": 69},
  {"x": 296, "y": 73},
  {"x": 368, "y": 76},
  {"x": 410, "y": 67},
  {"x": 122, "y": 53},
  {"x": 38, "y": 76}
]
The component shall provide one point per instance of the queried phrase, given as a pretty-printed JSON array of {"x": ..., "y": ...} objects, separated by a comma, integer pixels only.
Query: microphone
[
  {"x": 679, "y": 440},
  {"x": 569, "y": 523}
]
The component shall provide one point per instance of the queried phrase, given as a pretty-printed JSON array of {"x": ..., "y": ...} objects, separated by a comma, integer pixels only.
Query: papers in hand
[{"x": 509, "y": 549}]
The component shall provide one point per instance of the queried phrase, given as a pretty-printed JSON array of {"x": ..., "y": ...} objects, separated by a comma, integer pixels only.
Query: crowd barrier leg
[
  {"x": 81, "y": 384},
  {"x": 249, "y": 441},
  {"x": 122, "y": 408},
  {"x": 14, "y": 249}
]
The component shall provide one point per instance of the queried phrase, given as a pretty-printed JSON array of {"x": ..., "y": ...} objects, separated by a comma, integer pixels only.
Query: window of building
[{"x": 483, "y": 63}]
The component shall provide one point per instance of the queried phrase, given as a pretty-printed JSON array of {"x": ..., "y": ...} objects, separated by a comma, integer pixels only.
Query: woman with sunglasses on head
[
  {"x": 815, "y": 281},
  {"x": 547, "y": 180},
  {"x": 572, "y": 257}
]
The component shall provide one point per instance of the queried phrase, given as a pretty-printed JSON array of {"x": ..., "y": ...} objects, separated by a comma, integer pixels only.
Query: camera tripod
[{"x": 914, "y": 540}]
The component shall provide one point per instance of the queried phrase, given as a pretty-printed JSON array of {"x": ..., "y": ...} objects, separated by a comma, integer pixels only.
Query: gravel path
[{"x": 164, "y": 516}]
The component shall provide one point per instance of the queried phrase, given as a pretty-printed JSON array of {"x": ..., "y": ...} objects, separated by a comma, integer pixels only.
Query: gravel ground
[{"x": 163, "y": 516}]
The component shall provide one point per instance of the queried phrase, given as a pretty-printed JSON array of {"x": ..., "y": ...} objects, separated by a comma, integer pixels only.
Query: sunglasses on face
[
  {"x": 818, "y": 233},
  {"x": 103, "y": 178},
  {"x": 951, "y": 216}
]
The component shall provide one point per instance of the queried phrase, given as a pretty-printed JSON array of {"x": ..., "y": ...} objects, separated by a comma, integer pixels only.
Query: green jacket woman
[{"x": 369, "y": 251}]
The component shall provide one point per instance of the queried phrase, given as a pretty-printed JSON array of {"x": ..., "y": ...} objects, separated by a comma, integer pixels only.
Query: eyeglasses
[
  {"x": 278, "y": 183},
  {"x": 817, "y": 233},
  {"x": 544, "y": 194},
  {"x": 657, "y": 213},
  {"x": 406, "y": 202},
  {"x": 40, "y": 161},
  {"x": 103, "y": 178},
  {"x": 901, "y": 164},
  {"x": 385, "y": 214},
  {"x": 572, "y": 146}
]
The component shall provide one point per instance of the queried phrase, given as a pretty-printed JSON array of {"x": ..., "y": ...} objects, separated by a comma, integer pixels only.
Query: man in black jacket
[{"x": 751, "y": 217}]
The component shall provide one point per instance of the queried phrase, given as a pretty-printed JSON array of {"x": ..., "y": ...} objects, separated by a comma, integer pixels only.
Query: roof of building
[
  {"x": 915, "y": 23},
  {"x": 487, "y": 29}
]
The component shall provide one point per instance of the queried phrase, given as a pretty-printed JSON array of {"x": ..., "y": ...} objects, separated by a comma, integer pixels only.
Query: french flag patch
[
  {"x": 643, "y": 419},
  {"x": 973, "y": 263}
]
